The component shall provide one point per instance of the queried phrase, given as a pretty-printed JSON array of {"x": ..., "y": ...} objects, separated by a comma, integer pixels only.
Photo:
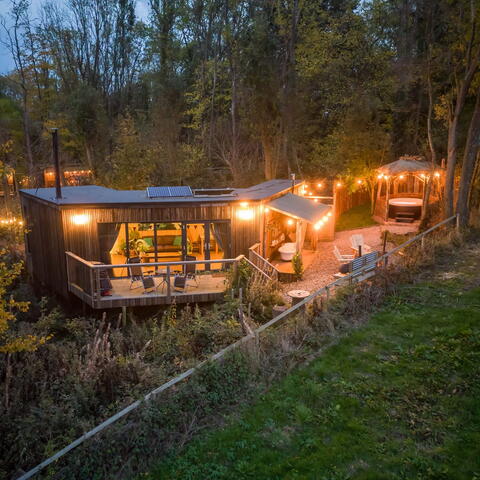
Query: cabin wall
[
  {"x": 44, "y": 245},
  {"x": 83, "y": 239}
]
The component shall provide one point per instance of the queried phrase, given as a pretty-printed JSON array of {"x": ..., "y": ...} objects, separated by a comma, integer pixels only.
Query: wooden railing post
[{"x": 169, "y": 286}]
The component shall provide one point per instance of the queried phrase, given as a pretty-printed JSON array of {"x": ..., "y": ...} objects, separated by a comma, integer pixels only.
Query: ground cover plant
[
  {"x": 396, "y": 398},
  {"x": 357, "y": 217}
]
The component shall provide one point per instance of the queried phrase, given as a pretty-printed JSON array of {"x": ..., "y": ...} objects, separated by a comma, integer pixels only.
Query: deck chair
[
  {"x": 341, "y": 257},
  {"x": 357, "y": 241},
  {"x": 191, "y": 269},
  {"x": 137, "y": 275}
]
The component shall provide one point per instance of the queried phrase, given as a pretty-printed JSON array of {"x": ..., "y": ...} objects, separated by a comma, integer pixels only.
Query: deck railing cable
[{"x": 353, "y": 277}]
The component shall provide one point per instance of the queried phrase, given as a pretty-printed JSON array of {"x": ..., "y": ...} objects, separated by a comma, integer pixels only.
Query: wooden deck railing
[
  {"x": 261, "y": 263},
  {"x": 85, "y": 277}
]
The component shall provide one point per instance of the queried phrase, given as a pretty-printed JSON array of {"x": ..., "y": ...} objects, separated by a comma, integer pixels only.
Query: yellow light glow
[
  {"x": 386, "y": 177},
  {"x": 319, "y": 185},
  {"x": 339, "y": 184},
  {"x": 80, "y": 219},
  {"x": 329, "y": 214},
  {"x": 267, "y": 209},
  {"x": 244, "y": 204},
  {"x": 325, "y": 218},
  {"x": 380, "y": 176},
  {"x": 289, "y": 221},
  {"x": 316, "y": 200},
  {"x": 317, "y": 226},
  {"x": 422, "y": 175},
  {"x": 359, "y": 181},
  {"x": 310, "y": 193},
  {"x": 401, "y": 177},
  {"x": 245, "y": 213},
  {"x": 437, "y": 174}
]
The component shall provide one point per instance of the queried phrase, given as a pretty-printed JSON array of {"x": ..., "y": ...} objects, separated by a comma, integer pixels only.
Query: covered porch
[{"x": 295, "y": 224}]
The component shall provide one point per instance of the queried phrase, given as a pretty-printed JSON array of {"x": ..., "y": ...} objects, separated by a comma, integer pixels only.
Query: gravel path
[{"x": 320, "y": 272}]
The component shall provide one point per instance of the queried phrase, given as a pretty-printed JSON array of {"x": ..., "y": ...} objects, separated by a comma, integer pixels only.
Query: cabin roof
[{"x": 97, "y": 195}]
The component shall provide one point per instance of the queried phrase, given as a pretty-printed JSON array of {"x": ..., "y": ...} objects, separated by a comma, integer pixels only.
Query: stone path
[{"x": 325, "y": 265}]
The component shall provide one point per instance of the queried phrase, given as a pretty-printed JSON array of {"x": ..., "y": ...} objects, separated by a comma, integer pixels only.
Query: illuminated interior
[{"x": 163, "y": 242}]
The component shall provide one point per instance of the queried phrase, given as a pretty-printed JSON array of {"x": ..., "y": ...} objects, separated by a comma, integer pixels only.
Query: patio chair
[
  {"x": 357, "y": 241},
  {"x": 137, "y": 275},
  {"x": 342, "y": 258},
  {"x": 180, "y": 281}
]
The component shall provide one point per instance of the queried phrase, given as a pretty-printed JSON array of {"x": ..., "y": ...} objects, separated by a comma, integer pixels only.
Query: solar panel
[{"x": 158, "y": 192}]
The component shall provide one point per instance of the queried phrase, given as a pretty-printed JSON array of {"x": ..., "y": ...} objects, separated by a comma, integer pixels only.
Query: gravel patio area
[{"x": 325, "y": 265}]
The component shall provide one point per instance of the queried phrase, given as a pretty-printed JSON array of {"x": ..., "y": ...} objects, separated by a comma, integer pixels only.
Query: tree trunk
[
  {"x": 269, "y": 158},
  {"x": 469, "y": 160}
]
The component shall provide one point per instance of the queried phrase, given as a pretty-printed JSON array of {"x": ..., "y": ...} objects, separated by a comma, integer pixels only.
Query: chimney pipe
[{"x": 56, "y": 161}]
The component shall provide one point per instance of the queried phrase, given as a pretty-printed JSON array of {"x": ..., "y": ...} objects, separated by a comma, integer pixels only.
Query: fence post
[
  {"x": 457, "y": 222},
  {"x": 423, "y": 242}
]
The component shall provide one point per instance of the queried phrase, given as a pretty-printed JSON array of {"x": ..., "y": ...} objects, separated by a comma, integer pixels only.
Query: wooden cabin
[
  {"x": 73, "y": 175},
  {"x": 401, "y": 189},
  {"x": 100, "y": 244}
]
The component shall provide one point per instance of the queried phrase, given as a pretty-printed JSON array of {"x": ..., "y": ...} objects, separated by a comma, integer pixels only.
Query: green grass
[
  {"x": 398, "y": 398},
  {"x": 356, "y": 217}
]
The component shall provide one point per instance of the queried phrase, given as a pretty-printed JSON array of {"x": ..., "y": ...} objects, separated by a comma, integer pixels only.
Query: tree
[{"x": 130, "y": 162}]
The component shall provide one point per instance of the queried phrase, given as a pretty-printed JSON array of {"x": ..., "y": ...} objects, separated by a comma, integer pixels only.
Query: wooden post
[
  {"x": 385, "y": 234},
  {"x": 124, "y": 315},
  {"x": 327, "y": 288},
  {"x": 387, "y": 198},
  {"x": 169, "y": 286},
  {"x": 457, "y": 222}
]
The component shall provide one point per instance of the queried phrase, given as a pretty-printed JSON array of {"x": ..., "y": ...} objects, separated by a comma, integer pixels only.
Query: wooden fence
[
  {"x": 345, "y": 200},
  {"x": 253, "y": 336}
]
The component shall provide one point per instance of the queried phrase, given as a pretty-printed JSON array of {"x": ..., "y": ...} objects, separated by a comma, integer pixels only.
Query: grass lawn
[
  {"x": 398, "y": 398},
  {"x": 356, "y": 217}
]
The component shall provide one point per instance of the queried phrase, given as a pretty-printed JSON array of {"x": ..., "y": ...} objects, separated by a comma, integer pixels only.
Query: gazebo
[{"x": 401, "y": 189}]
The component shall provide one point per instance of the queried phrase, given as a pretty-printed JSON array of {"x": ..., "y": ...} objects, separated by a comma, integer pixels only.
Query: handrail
[
  {"x": 256, "y": 268},
  {"x": 152, "y": 264},
  {"x": 222, "y": 352}
]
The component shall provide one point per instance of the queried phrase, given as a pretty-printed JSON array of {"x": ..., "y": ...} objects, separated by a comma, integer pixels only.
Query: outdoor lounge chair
[
  {"x": 137, "y": 275},
  {"x": 180, "y": 281},
  {"x": 340, "y": 257},
  {"x": 357, "y": 241}
]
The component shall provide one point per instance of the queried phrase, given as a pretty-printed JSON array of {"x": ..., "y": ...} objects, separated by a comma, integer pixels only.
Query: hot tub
[{"x": 405, "y": 205}]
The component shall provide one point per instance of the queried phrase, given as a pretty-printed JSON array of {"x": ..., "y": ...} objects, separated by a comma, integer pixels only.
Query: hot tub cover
[{"x": 300, "y": 207}]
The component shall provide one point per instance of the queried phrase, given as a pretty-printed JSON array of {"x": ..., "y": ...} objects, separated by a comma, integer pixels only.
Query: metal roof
[
  {"x": 300, "y": 207},
  {"x": 96, "y": 195}
]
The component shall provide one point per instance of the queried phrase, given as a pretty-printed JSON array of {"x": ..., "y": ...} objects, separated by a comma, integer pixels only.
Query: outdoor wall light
[
  {"x": 317, "y": 226},
  {"x": 359, "y": 182},
  {"x": 401, "y": 177},
  {"x": 437, "y": 174},
  {"x": 339, "y": 184},
  {"x": 319, "y": 185},
  {"x": 316, "y": 200},
  {"x": 289, "y": 221},
  {"x": 80, "y": 219},
  {"x": 244, "y": 204},
  {"x": 267, "y": 209},
  {"x": 329, "y": 214},
  {"x": 380, "y": 176},
  {"x": 245, "y": 213}
]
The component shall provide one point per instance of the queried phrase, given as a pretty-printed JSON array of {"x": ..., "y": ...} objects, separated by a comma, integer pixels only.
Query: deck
[{"x": 85, "y": 282}]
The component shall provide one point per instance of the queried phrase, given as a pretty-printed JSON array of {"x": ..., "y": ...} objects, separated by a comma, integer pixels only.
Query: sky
[{"x": 6, "y": 62}]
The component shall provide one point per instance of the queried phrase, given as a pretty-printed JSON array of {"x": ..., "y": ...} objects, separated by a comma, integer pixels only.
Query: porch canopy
[{"x": 300, "y": 208}]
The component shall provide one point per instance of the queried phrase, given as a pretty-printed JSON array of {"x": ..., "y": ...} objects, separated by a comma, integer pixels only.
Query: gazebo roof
[{"x": 406, "y": 164}]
